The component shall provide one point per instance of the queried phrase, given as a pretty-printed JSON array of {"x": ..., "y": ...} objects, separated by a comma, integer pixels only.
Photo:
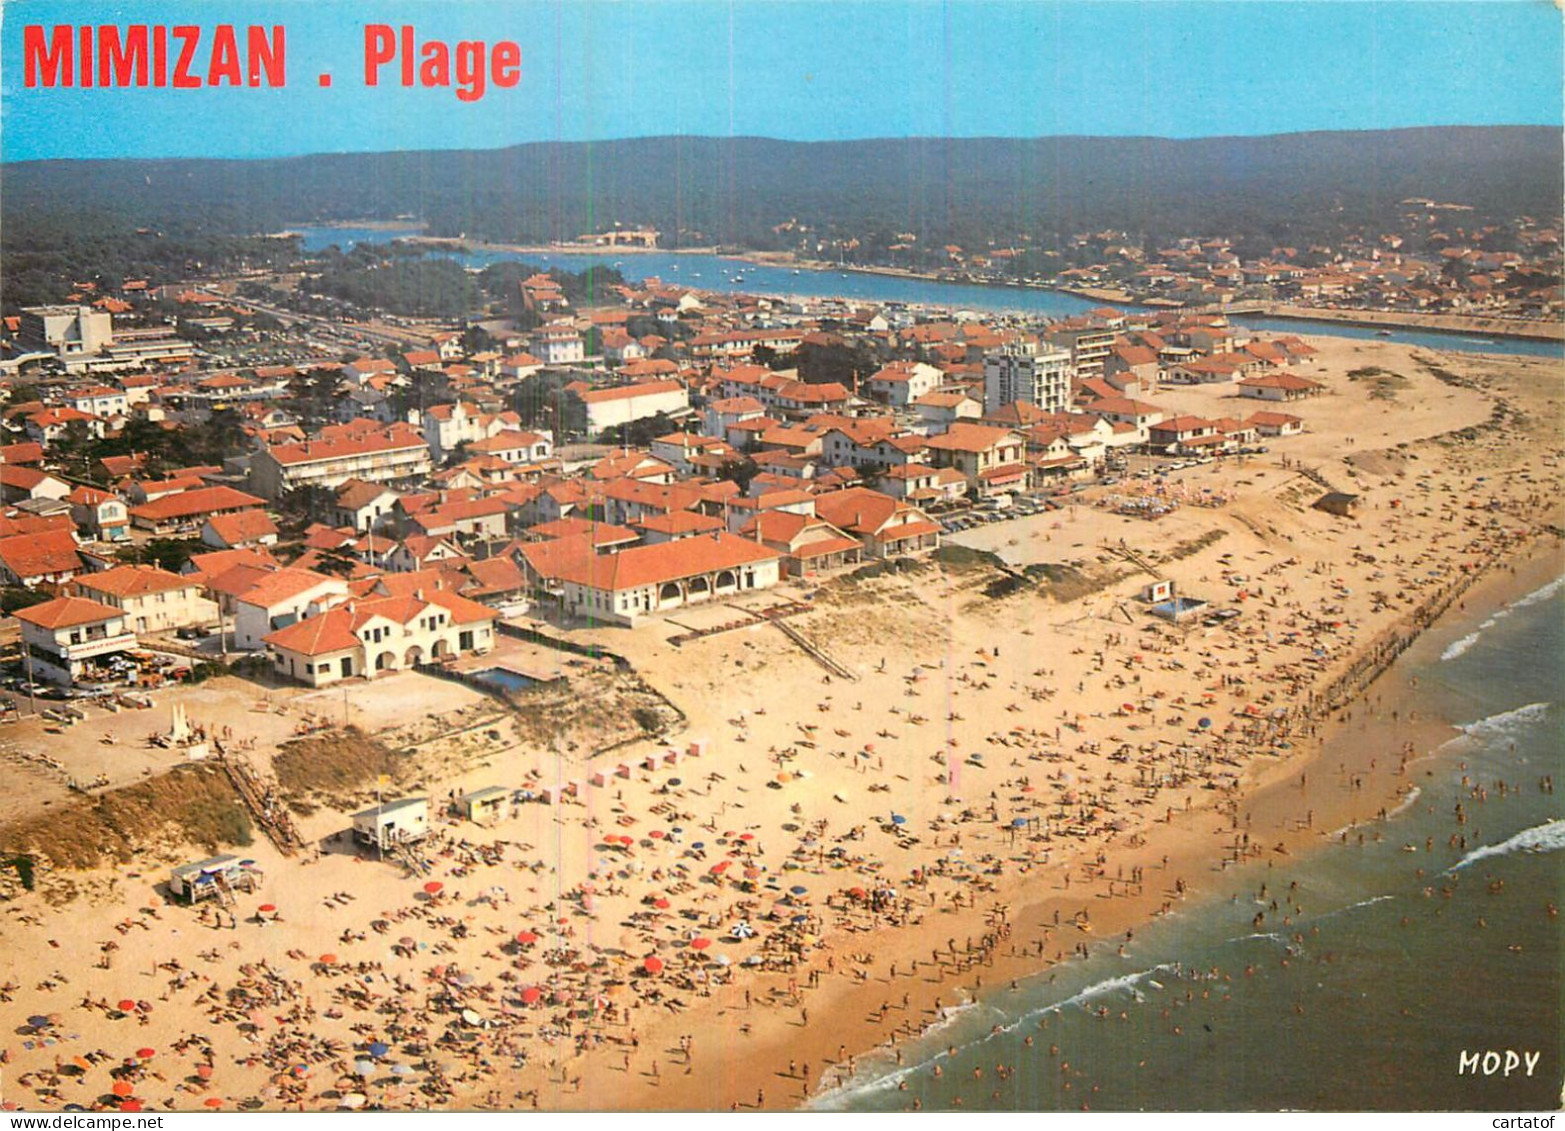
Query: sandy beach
[{"x": 1018, "y": 764}]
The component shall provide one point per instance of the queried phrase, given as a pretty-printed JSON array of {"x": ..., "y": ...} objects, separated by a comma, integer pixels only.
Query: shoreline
[
  {"x": 1199, "y": 846},
  {"x": 1534, "y": 330}
]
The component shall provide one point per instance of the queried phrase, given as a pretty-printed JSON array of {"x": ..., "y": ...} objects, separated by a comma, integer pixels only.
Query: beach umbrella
[
  {"x": 471, "y": 1017},
  {"x": 267, "y": 907},
  {"x": 434, "y": 887},
  {"x": 652, "y": 964},
  {"x": 38, "y": 1021},
  {"x": 741, "y": 931},
  {"x": 722, "y": 960},
  {"x": 379, "y": 1049},
  {"x": 719, "y": 868},
  {"x": 213, "y": 1101},
  {"x": 898, "y": 819},
  {"x": 400, "y": 1070},
  {"x": 526, "y": 938},
  {"x": 123, "y": 1088},
  {"x": 656, "y": 834},
  {"x": 126, "y": 1005},
  {"x": 131, "y": 1105},
  {"x": 363, "y": 1067},
  {"x": 531, "y": 994},
  {"x": 353, "y": 1101},
  {"x": 798, "y": 889},
  {"x": 661, "y": 904},
  {"x": 746, "y": 836},
  {"x": 204, "y": 1071},
  {"x": 328, "y": 960},
  {"x": 1204, "y": 723},
  {"x": 675, "y": 781},
  {"x": 700, "y": 943},
  {"x": 146, "y": 1054},
  {"x": 1018, "y": 822}
]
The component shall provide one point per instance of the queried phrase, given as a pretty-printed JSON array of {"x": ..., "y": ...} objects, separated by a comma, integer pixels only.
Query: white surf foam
[
  {"x": 1542, "y": 593},
  {"x": 1406, "y": 803},
  {"x": 1506, "y": 724},
  {"x": 1547, "y": 837},
  {"x": 1457, "y": 647}
]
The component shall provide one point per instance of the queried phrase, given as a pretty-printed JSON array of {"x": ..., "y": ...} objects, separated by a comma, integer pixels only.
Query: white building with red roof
[
  {"x": 275, "y": 599},
  {"x": 622, "y": 404},
  {"x": 624, "y": 587},
  {"x": 66, "y": 638},
  {"x": 373, "y": 636},
  {"x": 389, "y": 455},
  {"x": 151, "y": 599}
]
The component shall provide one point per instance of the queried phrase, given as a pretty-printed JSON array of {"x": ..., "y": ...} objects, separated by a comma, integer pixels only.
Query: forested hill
[{"x": 1286, "y": 188}]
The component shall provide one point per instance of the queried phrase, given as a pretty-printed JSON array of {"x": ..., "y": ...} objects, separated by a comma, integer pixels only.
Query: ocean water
[
  {"x": 718, "y": 273},
  {"x": 1370, "y": 999}
]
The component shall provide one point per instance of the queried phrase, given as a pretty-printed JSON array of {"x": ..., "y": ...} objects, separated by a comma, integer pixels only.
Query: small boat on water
[{"x": 1382, "y": 333}]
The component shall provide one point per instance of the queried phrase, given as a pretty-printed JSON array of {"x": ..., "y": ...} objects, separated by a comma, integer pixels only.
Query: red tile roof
[
  {"x": 192, "y": 504},
  {"x": 66, "y": 612},
  {"x": 133, "y": 581},
  {"x": 39, "y": 554},
  {"x": 246, "y": 526}
]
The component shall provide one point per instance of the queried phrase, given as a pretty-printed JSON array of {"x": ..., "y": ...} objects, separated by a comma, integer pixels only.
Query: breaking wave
[
  {"x": 1542, "y": 593},
  {"x": 1547, "y": 837}
]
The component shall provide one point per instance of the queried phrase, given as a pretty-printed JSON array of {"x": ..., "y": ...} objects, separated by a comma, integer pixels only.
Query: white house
[
  {"x": 66, "y": 636},
  {"x": 610, "y": 408},
  {"x": 278, "y": 599},
  {"x": 367, "y": 637}
]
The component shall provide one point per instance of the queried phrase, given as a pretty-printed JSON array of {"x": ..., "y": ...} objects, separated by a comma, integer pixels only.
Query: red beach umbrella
[
  {"x": 656, "y": 834},
  {"x": 204, "y": 1071},
  {"x": 214, "y": 1101},
  {"x": 126, "y": 1005},
  {"x": 661, "y": 904},
  {"x": 123, "y": 1088},
  {"x": 328, "y": 960},
  {"x": 434, "y": 887},
  {"x": 531, "y": 994},
  {"x": 146, "y": 1054},
  {"x": 526, "y": 937},
  {"x": 268, "y": 907},
  {"x": 700, "y": 943},
  {"x": 652, "y": 964},
  {"x": 131, "y": 1105}
]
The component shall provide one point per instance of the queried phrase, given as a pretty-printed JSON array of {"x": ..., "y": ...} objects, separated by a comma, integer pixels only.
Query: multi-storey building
[{"x": 1024, "y": 371}]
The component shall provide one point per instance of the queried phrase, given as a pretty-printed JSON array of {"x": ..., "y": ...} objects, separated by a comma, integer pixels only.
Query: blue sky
[{"x": 597, "y": 69}]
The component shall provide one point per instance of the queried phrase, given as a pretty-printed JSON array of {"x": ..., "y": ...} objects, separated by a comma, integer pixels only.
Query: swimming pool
[{"x": 505, "y": 679}]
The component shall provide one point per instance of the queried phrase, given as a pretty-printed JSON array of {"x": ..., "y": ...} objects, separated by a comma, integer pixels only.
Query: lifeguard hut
[{"x": 392, "y": 824}]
